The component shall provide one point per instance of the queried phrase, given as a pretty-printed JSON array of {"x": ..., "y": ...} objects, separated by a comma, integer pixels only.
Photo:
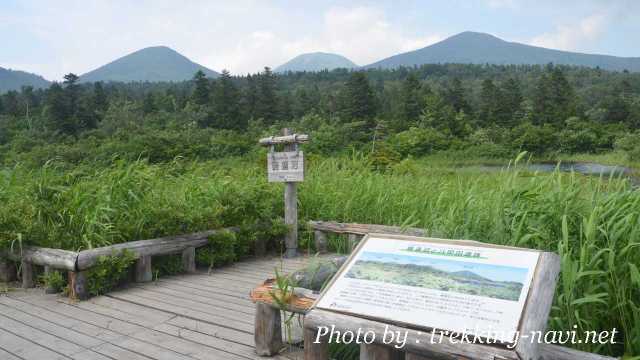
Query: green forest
[
  {"x": 84, "y": 165},
  {"x": 488, "y": 111}
]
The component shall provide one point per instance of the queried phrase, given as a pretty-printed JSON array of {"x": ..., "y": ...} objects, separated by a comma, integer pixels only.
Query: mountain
[
  {"x": 480, "y": 48},
  {"x": 158, "y": 63},
  {"x": 316, "y": 61},
  {"x": 14, "y": 80}
]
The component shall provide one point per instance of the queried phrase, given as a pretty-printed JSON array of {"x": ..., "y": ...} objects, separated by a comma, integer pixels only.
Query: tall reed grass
[{"x": 593, "y": 223}]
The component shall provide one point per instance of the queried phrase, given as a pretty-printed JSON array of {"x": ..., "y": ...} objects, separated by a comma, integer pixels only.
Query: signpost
[
  {"x": 287, "y": 167},
  {"x": 430, "y": 287}
]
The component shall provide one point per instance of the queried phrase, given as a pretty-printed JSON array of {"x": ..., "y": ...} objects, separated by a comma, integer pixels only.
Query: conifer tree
[
  {"x": 201, "y": 92},
  {"x": 411, "y": 102},
  {"x": 226, "y": 104}
]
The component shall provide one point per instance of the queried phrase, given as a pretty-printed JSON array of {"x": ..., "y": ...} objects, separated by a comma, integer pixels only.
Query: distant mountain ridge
[
  {"x": 316, "y": 61},
  {"x": 481, "y": 48},
  {"x": 16, "y": 79},
  {"x": 153, "y": 64}
]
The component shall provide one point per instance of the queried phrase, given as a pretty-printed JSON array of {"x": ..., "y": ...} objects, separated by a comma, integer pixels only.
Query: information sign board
[{"x": 287, "y": 166}]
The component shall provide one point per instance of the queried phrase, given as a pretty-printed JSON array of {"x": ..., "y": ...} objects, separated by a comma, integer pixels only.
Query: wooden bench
[{"x": 77, "y": 263}]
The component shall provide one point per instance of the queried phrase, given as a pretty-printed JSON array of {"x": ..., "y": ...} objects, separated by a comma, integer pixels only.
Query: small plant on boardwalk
[
  {"x": 109, "y": 272},
  {"x": 281, "y": 294},
  {"x": 54, "y": 280},
  {"x": 220, "y": 250},
  {"x": 166, "y": 265}
]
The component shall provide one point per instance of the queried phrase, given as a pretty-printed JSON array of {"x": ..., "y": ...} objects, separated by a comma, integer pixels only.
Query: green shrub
[
  {"x": 219, "y": 251},
  {"x": 54, "y": 280},
  {"x": 109, "y": 272},
  {"x": 166, "y": 265}
]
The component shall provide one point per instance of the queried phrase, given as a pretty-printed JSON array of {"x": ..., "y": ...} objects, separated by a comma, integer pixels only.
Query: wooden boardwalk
[{"x": 199, "y": 316}]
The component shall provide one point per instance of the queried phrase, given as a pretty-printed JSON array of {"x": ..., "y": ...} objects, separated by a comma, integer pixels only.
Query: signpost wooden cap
[{"x": 286, "y": 139}]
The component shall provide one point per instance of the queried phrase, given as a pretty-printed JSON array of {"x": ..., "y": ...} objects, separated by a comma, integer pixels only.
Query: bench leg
[
  {"x": 7, "y": 271},
  {"x": 268, "y": 330},
  {"x": 189, "y": 260},
  {"x": 78, "y": 285},
  {"x": 143, "y": 269},
  {"x": 313, "y": 350},
  {"x": 379, "y": 352},
  {"x": 26, "y": 271}
]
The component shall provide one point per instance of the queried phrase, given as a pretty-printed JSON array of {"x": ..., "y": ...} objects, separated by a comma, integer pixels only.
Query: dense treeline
[{"x": 489, "y": 110}]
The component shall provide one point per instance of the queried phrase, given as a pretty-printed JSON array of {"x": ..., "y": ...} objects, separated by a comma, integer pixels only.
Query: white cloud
[
  {"x": 241, "y": 36},
  {"x": 573, "y": 36}
]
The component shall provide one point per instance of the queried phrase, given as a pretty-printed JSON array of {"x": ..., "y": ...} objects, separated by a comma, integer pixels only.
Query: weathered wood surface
[
  {"x": 7, "y": 270},
  {"x": 153, "y": 247},
  {"x": 284, "y": 139},
  {"x": 189, "y": 260},
  {"x": 26, "y": 274},
  {"x": 539, "y": 302},
  {"x": 379, "y": 352},
  {"x": 186, "y": 317},
  {"x": 55, "y": 258},
  {"x": 268, "y": 330},
  {"x": 313, "y": 350},
  {"x": 291, "y": 206},
  {"x": 363, "y": 229}
]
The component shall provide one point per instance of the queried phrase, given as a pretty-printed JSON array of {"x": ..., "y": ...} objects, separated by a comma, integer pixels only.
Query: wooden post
[
  {"x": 7, "y": 271},
  {"x": 321, "y": 241},
  {"x": 143, "y": 269},
  {"x": 379, "y": 352},
  {"x": 189, "y": 260},
  {"x": 78, "y": 285},
  {"x": 268, "y": 330},
  {"x": 26, "y": 271},
  {"x": 312, "y": 350},
  {"x": 291, "y": 208},
  {"x": 47, "y": 272}
]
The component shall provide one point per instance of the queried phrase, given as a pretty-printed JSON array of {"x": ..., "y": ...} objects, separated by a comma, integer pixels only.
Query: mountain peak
[
  {"x": 154, "y": 64},
  {"x": 316, "y": 61},
  {"x": 15, "y": 79},
  {"x": 470, "y": 47}
]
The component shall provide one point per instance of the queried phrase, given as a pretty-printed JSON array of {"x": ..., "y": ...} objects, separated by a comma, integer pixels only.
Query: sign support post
[{"x": 287, "y": 167}]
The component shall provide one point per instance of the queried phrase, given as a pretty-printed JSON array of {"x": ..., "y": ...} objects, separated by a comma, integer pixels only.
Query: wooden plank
[
  {"x": 160, "y": 246},
  {"x": 5, "y": 355},
  {"x": 25, "y": 349},
  {"x": 243, "y": 307},
  {"x": 190, "y": 313},
  {"x": 364, "y": 229},
  {"x": 61, "y": 320},
  {"x": 218, "y": 294},
  {"x": 212, "y": 342},
  {"x": 56, "y": 258},
  {"x": 151, "y": 350},
  {"x": 110, "y": 351},
  {"x": 39, "y": 337},
  {"x": 240, "y": 337},
  {"x": 160, "y": 300},
  {"x": 48, "y": 327},
  {"x": 539, "y": 301}
]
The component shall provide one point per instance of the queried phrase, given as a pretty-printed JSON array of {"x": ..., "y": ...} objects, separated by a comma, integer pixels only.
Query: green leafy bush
[
  {"x": 54, "y": 280},
  {"x": 219, "y": 251},
  {"x": 109, "y": 272},
  {"x": 166, "y": 265}
]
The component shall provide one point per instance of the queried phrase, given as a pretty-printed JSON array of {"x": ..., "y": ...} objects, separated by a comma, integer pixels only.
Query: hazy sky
[{"x": 60, "y": 36}]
